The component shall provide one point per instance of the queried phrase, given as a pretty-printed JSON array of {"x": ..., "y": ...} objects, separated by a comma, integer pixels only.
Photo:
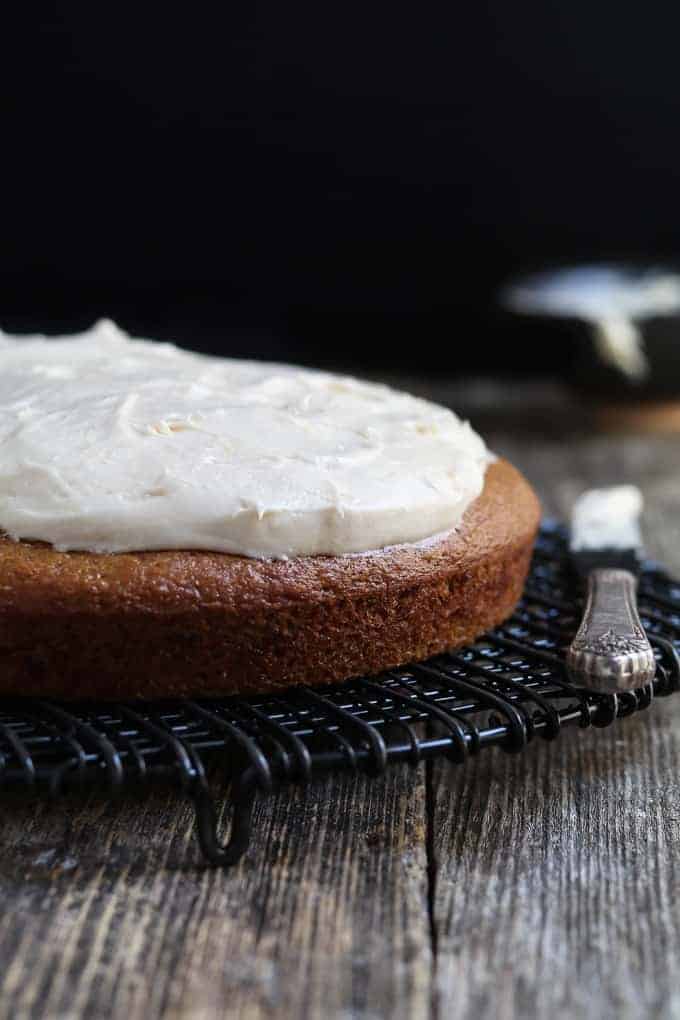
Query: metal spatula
[{"x": 610, "y": 651}]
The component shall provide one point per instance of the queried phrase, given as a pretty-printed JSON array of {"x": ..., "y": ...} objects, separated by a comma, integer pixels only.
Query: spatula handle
[{"x": 610, "y": 651}]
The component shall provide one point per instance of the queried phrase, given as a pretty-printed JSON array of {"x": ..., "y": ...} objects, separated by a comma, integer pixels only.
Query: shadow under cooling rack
[{"x": 506, "y": 689}]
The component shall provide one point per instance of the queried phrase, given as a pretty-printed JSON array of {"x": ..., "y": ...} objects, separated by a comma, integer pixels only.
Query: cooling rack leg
[{"x": 242, "y": 797}]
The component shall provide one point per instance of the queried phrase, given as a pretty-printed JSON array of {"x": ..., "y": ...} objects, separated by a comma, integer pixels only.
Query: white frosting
[
  {"x": 110, "y": 444},
  {"x": 612, "y": 299},
  {"x": 607, "y": 519}
]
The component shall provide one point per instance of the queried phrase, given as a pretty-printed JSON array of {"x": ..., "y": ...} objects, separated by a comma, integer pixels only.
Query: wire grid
[{"x": 506, "y": 689}]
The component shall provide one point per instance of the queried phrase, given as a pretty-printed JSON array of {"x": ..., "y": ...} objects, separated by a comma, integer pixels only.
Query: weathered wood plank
[
  {"x": 110, "y": 914},
  {"x": 557, "y": 890}
]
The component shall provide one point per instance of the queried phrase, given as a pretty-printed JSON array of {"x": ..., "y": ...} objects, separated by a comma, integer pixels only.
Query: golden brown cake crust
[{"x": 173, "y": 624}]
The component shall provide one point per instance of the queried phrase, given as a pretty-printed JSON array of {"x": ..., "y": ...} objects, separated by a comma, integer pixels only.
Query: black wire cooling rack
[{"x": 507, "y": 688}]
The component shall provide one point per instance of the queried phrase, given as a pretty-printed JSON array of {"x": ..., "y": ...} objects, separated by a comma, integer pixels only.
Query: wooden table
[{"x": 542, "y": 885}]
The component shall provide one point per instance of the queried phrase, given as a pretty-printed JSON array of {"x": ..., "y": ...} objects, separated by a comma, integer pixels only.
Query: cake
[{"x": 173, "y": 524}]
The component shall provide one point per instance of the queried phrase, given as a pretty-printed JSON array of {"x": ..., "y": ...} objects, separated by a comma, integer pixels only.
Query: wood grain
[
  {"x": 543, "y": 885},
  {"x": 109, "y": 913},
  {"x": 556, "y": 888}
]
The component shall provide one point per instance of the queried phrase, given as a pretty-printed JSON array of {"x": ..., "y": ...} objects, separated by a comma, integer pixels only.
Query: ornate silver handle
[{"x": 610, "y": 651}]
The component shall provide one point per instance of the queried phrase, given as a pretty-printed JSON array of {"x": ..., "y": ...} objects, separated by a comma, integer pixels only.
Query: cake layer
[{"x": 178, "y": 623}]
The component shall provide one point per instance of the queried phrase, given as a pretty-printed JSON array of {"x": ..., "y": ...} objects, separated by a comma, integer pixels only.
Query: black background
[{"x": 329, "y": 182}]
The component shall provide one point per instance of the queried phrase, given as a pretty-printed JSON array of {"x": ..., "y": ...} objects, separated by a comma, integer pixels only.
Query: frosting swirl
[{"x": 110, "y": 444}]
